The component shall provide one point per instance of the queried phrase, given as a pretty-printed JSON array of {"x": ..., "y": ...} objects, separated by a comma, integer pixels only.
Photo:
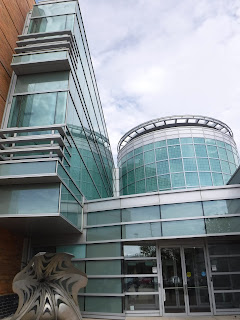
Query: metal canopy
[{"x": 173, "y": 121}]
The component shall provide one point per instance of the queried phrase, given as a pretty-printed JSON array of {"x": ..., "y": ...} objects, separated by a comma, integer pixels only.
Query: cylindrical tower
[{"x": 176, "y": 152}]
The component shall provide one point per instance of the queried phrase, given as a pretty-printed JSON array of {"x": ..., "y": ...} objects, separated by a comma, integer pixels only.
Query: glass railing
[{"x": 40, "y": 57}]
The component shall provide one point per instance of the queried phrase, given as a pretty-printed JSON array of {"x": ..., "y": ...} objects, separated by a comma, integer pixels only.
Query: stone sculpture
[{"x": 48, "y": 288}]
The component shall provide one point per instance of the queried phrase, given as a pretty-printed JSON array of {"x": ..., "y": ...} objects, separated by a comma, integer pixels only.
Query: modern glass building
[
  {"x": 169, "y": 244},
  {"x": 179, "y": 152}
]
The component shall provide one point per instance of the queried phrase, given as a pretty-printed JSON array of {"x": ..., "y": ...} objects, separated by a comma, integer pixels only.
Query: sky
[{"x": 157, "y": 58}]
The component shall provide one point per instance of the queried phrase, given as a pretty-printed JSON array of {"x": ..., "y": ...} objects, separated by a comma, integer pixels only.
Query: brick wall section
[
  {"x": 8, "y": 305},
  {"x": 10, "y": 259},
  {"x": 12, "y": 18}
]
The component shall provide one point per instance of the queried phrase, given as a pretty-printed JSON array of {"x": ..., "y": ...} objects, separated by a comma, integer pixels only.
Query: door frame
[{"x": 181, "y": 245}]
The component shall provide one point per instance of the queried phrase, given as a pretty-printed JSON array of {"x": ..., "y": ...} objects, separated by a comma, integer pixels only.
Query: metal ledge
[
  {"x": 44, "y": 46},
  {"x": 173, "y": 121},
  {"x": 43, "y": 34}
]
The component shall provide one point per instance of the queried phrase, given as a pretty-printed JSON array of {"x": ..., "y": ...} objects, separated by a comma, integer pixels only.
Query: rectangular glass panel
[
  {"x": 54, "y": 9},
  {"x": 139, "y": 173},
  {"x": 139, "y": 267},
  {"x": 104, "y": 233},
  {"x": 49, "y": 56},
  {"x": 51, "y": 24},
  {"x": 149, "y": 156},
  {"x": 161, "y": 154},
  {"x": 25, "y": 168},
  {"x": 142, "y": 302},
  {"x": 150, "y": 170},
  {"x": 215, "y": 165},
  {"x": 172, "y": 280},
  {"x": 181, "y": 228},
  {"x": 177, "y": 180},
  {"x": 223, "y": 225},
  {"x": 104, "y": 250},
  {"x": 222, "y": 154},
  {"x": 188, "y": 150},
  {"x": 217, "y": 179},
  {"x": 29, "y": 199},
  {"x": 186, "y": 140},
  {"x": 162, "y": 167},
  {"x": 200, "y": 150},
  {"x": 161, "y": 143},
  {"x": 225, "y": 300},
  {"x": 196, "y": 280},
  {"x": 151, "y": 184},
  {"x": 174, "y": 152},
  {"x": 78, "y": 250},
  {"x": 138, "y": 160},
  {"x": 143, "y": 230},
  {"x": 112, "y": 267},
  {"x": 192, "y": 179},
  {"x": 225, "y": 264},
  {"x": 203, "y": 164},
  {"x": 219, "y": 207},
  {"x": 226, "y": 282},
  {"x": 224, "y": 249},
  {"x": 42, "y": 82},
  {"x": 190, "y": 164},
  {"x": 142, "y": 284},
  {"x": 103, "y": 217},
  {"x": 103, "y": 304},
  {"x": 164, "y": 182},
  {"x": 181, "y": 210},
  {"x": 205, "y": 179},
  {"x": 104, "y": 286},
  {"x": 176, "y": 165},
  {"x": 142, "y": 213},
  {"x": 139, "y": 251},
  {"x": 171, "y": 142},
  {"x": 212, "y": 152}
]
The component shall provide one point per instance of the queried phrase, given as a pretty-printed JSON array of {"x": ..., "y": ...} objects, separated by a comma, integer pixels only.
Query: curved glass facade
[{"x": 177, "y": 164}]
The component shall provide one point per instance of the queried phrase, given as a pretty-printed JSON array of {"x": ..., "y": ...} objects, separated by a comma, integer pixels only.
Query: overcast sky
[{"x": 155, "y": 58}]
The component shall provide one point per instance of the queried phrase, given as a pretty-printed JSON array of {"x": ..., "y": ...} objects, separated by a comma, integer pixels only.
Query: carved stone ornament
[{"x": 48, "y": 288}]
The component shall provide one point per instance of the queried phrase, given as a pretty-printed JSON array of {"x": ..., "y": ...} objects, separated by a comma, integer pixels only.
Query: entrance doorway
[{"x": 184, "y": 280}]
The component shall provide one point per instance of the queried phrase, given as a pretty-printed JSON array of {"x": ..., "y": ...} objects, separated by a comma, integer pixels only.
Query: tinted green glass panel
[
  {"x": 164, "y": 182},
  {"x": 141, "y": 186},
  {"x": 139, "y": 173},
  {"x": 131, "y": 188},
  {"x": 203, "y": 164},
  {"x": 174, "y": 152},
  {"x": 130, "y": 164},
  {"x": 230, "y": 156},
  {"x": 215, "y": 165},
  {"x": 104, "y": 233},
  {"x": 212, "y": 152},
  {"x": 130, "y": 177},
  {"x": 151, "y": 184},
  {"x": 49, "y": 56},
  {"x": 51, "y": 24},
  {"x": 217, "y": 179},
  {"x": 42, "y": 82},
  {"x": 188, "y": 150},
  {"x": 210, "y": 141},
  {"x": 79, "y": 251},
  {"x": 139, "y": 267},
  {"x": 138, "y": 150},
  {"x": 54, "y": 9},
  {"x": 149, "y": 156},
  {"x": 104, "y": 286},
  {"x": 103, "y": 217},
  {"x": 182, "y": 228},
  {"x": 222, "y": 154},
  {"x": 29, "y": 199},
  {"x": 223, "y": 225},
  {"x": 138, "y": 160},
  {"x": 142, "y": 213},
  {"x": 23, "y": 168},
  {"x": 186, "y": 140},
  {"x": 177, "y": 180},
  {"x": 150, "y": 170},
  {"x": 162, "y": 167},
  {"x": 190, "y": 164},
  {"x": 149, "y": 146},
  {"x": 108, "y": 267},
  {"x": 129, "y": 154},
  {"x": 38, "y": 110},
  {"x": 181, "y": 210},
  {"x": 226, "y": 178},
  {"x": 161, "y": 154},
  {"x": 198, "y": 140},
  {"x": 124, "y": 180},
  {"x": 171, "y": 142},
  {"x": 192, "y": 179},
  {"x": 103, "y": 304},
  {"x": 104, "y": 250},
  {"x": 176, "y": 165},
  {"x": 200, "y": 150},
  {"x": 228, "y": 146},
  {"x": 143, "y": 230},
  {"x": 205, "y": 179},
  {"x": 220, "y": 143},
  {"x": 232, "y": 167},
  {"x": 221, "y": 207},
  {"x": 161, "y": 143}
]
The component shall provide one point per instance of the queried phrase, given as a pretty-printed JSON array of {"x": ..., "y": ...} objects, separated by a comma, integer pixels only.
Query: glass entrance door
[{"x": 184, "y": 280}]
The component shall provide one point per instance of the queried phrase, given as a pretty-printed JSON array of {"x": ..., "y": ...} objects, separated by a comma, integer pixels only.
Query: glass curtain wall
[{"x": 177, "y": 164}]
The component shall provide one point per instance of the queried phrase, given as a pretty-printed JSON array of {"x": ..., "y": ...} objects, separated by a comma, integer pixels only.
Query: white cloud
[{"x": 157, "y": 58}]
